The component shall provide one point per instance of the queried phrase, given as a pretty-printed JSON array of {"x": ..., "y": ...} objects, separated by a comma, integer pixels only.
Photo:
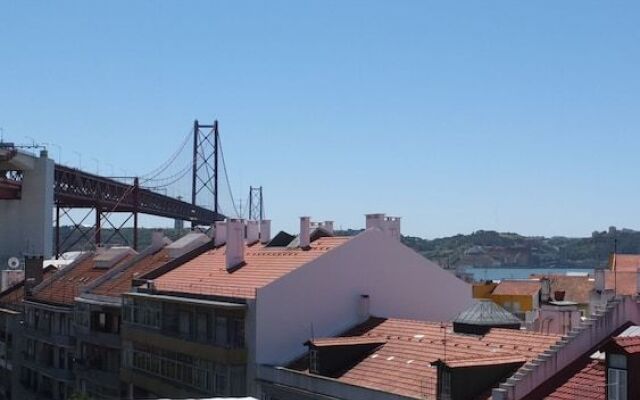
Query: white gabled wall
[{"x": 323, "y": 296}]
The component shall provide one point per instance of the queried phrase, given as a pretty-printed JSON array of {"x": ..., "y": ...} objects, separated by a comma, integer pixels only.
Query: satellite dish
[{"x": 13, "y": 263}]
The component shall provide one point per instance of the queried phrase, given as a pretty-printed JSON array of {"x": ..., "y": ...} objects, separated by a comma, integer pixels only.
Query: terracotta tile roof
[
  {"x": 587, "y": 383},
  {"x": 576, "y": 288},
  {"x": 625, "y": 262},
  {"x": 206, "y": 274},
  {"x": 14, "y": 294},
  {"x": 624, "y": 282},
  {"x": 403, "y": 364},
  {"x": 121, "y": 282},
  {"x": 517, "y": 287},
  {"x": 63, "y": 287},
  {"x": 630, "y": 344}
]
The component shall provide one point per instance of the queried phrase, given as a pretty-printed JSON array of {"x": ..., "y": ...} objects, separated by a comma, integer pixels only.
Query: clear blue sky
[{"x": 457, "y": 116}]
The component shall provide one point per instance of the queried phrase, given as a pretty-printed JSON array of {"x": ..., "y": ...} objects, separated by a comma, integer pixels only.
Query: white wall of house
[{"x": 322, "y": 297}]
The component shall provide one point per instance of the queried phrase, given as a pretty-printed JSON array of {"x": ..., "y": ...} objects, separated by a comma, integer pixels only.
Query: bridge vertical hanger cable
[{"x": 226, "y": 176}]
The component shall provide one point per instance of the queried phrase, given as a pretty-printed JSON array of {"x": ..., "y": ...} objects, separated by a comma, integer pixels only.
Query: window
[
  {"x": 176, "y": 367},
  {"x": 184, "y": 323},
  {"x": 314, "y": 365},
  {"x": 237, "y": 332},
  {"x": 617, "y": 377},
  {"x": 445, "y": 385},
  {"x": 221, "y": 331},
  {"x": 202, "y": 327},
  {"x": 141, "y": 312}
]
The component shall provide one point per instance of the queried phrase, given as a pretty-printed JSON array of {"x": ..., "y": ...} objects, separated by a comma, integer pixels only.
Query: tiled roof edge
[
  {"x": 62, "y": 272},
  {"x": 176, "y": 262}
]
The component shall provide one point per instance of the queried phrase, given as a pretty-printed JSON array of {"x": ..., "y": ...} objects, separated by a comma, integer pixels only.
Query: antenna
[
  {"x": 615, "y": 270},
  {"x": 443, "y": 326}
]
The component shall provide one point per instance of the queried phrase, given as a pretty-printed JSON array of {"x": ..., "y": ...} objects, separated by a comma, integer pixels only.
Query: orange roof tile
[
  {"x": 206, "y": 274},
  {"x": 630, "y": 344},
  {"x": 403, "y": 364},
  {"x": 63, "y": 287},
  {"x": 623, "y": 282},
  {"x": 587, "y": 383},
  {"x": 625, "y": 262},
  {"x": 121, "y": 282},
  {"x": 517, "y": 287}
]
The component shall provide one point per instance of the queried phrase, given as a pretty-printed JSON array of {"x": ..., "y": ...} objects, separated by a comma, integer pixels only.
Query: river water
[{"x": 482, "y": 273}]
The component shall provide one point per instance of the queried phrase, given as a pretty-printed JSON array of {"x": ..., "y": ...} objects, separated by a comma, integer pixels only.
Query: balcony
[
  {"x": 84, "y": 370},
  {"x": 99, "y": 338},
  {"x": 50, "y": 371},
  {"x": 48, "y": 337}
]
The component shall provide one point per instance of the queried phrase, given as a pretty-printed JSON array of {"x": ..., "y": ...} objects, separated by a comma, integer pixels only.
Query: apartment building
[
  {"x": 11, "y": 312},
  {"x": 48, "y": 339},
  {"x": 201, "y": 327},
  {"x": 98, "y": 314}
]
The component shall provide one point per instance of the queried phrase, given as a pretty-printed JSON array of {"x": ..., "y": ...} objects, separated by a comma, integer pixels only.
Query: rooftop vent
[
  {"x": 187, "y": 243},
  {"x": 108, "y": 258},
  {"x": 482, "y": 316}
]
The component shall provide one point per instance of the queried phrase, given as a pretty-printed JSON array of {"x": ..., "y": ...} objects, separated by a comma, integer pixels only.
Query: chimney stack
[
  {"x": 305, "y": 232},
  {"x": 220, "y": 233},
  {"x": 375, "y": 221},
  {"x": 235, "y": 243},
  {"x": 364, "y": 305},
  {"x": 253, "y": 231},
  {"x": 33, "y": 273},
  {"x": 265, "y": 231},
  {"x": 393, "y": 227},
  {"x": 599, "y": 278},
  {"x": 157, "y": 238},
  {"x": 388, "y": 225}
]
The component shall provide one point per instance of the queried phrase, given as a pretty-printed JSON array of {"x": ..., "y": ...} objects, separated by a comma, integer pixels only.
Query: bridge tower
[
  {"x": 26, "y": 217},
  {"x": 204, "y": 187}
]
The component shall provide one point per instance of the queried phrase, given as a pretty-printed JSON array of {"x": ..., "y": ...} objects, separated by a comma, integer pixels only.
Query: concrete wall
[
  {"x": 322, "y": 298},
  {"x": 26, "y": 225}
]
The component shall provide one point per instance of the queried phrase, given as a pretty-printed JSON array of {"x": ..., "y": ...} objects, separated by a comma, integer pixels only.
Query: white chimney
[
  {"x": 253, "y": 231},
  {"x": 364, "y": 305},
  {"x": 265, "y": 231},
  {"x": 328, "y": 226},
  {"x": 235, "y": 243},
  {"x": 305, "y": 232},
  {"x": 375, "y": 221},
  {"x": 599, "y": 277},
  {"x": 157, "y": 238},
  {"x": 220, "y": 234},
  {"x": 393, "y": 227}
]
